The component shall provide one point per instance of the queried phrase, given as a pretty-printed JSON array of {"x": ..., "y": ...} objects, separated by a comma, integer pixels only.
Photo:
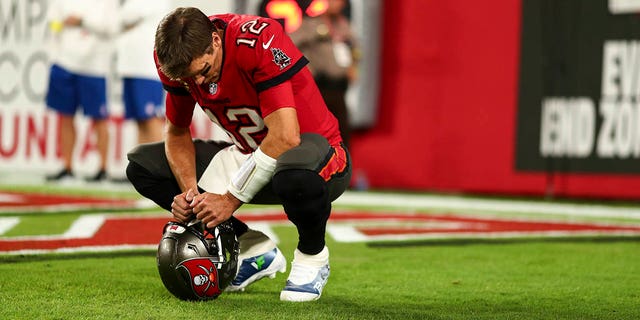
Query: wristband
[{"x": 254, "y": 174}]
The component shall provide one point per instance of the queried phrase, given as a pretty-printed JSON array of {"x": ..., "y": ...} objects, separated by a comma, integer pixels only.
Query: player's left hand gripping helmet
[{"x": 195, "y": 263}]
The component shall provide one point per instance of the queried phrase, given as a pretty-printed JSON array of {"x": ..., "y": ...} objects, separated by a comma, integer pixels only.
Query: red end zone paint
[
  {"x": 114, "y": 232},
  {"x": 21, "y": 201},
  {"x": 127, "y": 232}
]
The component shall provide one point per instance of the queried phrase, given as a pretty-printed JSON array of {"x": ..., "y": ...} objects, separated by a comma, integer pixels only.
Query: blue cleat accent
[
  {"x": 305, "y": 283},
  {"x": 257, "y": 267}
]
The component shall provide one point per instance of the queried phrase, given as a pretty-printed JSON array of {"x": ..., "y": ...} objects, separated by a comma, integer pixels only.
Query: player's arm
[
  {"x": 179, "y": 147},
  {"x": 283, "y": 134},
  {"x": 180, "y": 152}
]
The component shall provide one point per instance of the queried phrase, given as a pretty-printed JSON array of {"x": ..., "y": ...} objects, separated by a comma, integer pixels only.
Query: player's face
[{"x": 206, "y": 68}]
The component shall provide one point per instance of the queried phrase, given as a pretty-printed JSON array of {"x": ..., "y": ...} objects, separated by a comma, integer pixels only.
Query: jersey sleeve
[
  {"x": 276, "y": 97},
  {"x": 180, "y": 103}
]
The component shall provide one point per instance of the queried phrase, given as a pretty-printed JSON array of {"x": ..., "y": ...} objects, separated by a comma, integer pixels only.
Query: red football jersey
[{"x": 262, "y": 71}]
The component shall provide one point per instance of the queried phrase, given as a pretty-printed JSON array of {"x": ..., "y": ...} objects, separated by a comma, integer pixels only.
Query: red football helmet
[{"x": 195, "y": 263}]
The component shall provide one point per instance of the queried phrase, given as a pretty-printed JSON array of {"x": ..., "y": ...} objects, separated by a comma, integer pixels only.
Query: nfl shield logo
[{"x": 213, "y": 88}]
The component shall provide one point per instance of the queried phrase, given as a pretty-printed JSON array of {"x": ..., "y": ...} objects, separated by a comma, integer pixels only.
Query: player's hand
[
  {"x": 213, "y": 209},
  {"x": 181, "y": 207}
]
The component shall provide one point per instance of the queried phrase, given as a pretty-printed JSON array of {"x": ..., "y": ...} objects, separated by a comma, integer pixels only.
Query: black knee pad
[{"x": 304, "y": 196}]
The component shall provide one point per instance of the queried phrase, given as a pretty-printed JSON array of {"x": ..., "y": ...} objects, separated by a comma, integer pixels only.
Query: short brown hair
[{"x": 182, "y": 35}]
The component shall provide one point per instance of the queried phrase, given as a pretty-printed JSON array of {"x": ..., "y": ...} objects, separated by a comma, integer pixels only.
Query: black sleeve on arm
[{"x": 264, "y": 85}]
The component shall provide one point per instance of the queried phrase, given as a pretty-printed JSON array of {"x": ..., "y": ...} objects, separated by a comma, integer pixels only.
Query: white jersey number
[{"x": 242, "y": 136}]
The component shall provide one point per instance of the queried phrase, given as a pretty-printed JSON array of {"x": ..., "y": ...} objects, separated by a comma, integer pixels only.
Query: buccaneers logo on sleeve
[
  {"x": 203, "y": 275},
  {"x": 280, "y": 58}
]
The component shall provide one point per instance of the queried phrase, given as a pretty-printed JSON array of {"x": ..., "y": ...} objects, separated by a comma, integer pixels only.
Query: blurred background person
[
  {"x": 329, "y": 43},
  {"x": 142, "y": 91},
  {"x": 80, "y": 56}
]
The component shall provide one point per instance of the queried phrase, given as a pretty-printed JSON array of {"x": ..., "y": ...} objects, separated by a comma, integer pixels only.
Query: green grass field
[{"x": 520, "y": 278}]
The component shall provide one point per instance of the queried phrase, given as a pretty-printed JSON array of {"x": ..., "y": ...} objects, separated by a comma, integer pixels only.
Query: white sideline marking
[
  {"x": 470, "y": 204},
  {"x": 7, "y": 224},
  {"x": 84, "y": 227},
  {"x": 145, "y": 204},
  {"x": 55, "y": 208},
  {"x": 346, "y": 233},
  {"x": 82, "y": 249},
  {"x": 349, "y": 234}
]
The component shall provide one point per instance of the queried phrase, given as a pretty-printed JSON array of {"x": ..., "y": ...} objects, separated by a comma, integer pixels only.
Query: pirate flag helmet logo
[{"x": 204, "y": 277}]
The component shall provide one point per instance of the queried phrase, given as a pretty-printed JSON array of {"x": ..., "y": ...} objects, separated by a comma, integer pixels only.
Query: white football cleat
[{"x": 309, "y": 275}]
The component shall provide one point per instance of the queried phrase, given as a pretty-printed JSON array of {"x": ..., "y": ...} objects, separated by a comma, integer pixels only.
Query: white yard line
[
  {"x": 84, "y": 227},
  {"x": 48, "y": 209},
  {"x": 457, "y": 204},
  {"x": 351, "y": 234},
  {"x": 87, "y": 225},
  {"x": 8, "y": 223}
]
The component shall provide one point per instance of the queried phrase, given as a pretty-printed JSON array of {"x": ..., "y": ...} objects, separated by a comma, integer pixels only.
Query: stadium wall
[{"x": 454, "y": 116}]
